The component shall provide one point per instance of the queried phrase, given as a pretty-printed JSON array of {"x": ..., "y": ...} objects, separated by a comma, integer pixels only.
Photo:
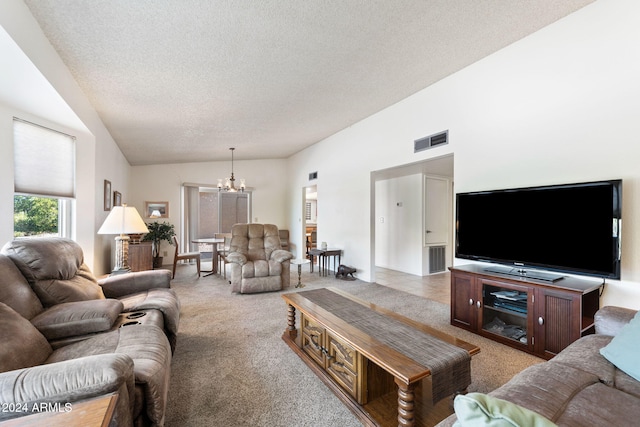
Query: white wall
[
  {"x": 398, "y": 222},
  {"x": 559, "y": 106},
  {"x": 61, "y": 105},
  {"x": 267, "y": 180}
]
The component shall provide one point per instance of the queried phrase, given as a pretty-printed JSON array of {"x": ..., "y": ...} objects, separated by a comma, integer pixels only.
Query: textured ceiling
[{"x": 184, "y": 80}]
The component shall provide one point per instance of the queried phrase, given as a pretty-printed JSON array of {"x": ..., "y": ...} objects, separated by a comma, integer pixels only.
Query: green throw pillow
[
  {"x": 624, "y": 348},
  {"x": 478, "y": 409}
]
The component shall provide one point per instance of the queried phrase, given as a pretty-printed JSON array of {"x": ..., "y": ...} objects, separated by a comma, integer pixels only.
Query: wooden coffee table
[{"x": 379, "y": 363}]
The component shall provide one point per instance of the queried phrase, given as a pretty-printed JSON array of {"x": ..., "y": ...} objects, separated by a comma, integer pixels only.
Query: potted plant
[{"x": 157, "y": 233}]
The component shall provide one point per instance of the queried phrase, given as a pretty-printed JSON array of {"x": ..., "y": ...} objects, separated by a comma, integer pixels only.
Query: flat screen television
[{"x": 571, "y": 228}]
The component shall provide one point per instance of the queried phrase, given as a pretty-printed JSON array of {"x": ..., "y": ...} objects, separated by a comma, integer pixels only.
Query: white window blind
[{"x": 44, "y": 161}]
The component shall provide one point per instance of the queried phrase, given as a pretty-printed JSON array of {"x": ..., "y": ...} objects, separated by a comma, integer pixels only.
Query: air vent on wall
[
  {"x": 313, "y": 175},
  {"x": 431, "y": 141},
  {"x": 437, "y": 259}
]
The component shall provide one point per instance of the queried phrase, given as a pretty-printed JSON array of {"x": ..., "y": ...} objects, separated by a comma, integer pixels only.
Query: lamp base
[
  {"x": 122, "y": 255},
  {"x": 117, "y": 271}
]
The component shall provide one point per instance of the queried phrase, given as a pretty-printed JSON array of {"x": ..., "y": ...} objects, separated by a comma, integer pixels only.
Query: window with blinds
[
  {"x": 44, "y": 161},
  {"x": 44, "y": 180},
  {"x": 208, "y": 211}
]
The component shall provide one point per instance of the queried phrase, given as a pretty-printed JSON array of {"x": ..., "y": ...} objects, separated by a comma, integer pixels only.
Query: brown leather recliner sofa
[
  {"x": 67, "y": 337},
  {"x": 257, "y": 261}
]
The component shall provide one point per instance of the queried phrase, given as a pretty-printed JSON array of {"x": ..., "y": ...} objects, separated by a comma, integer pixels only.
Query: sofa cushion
[
  {"x": 261, "y": 284},
  {"x": 55, "y": 269},
  {"x": 78, "y": 318},
  {"x": 585, "y": 354},
  {"x": 600, "y": 405},
  {"x": 624, "y": 348},
  {"x": 545, "y": 388},
  {"x": 15, "y": 290},
  {"x": 22, "y": 344},
  {"x": 477, "y": 409},
  {"x": 627, "y": 383},
  {"x": 151, "y": 354}
]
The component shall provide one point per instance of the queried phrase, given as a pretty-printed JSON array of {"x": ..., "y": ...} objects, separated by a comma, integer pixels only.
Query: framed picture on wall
[
  {"x": 156, "y": 209},
  {"x": 107, "y": 195},
  {"x": 117, "y": 198}
]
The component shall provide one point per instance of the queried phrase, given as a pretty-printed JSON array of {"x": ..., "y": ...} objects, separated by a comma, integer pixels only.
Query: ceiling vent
[
  {"x": 313, "y": 175},
  {"x": 431, "y": 141}
]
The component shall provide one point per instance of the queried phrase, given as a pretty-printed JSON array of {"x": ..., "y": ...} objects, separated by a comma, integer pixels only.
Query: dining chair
[
  {"x": 184, "y": 256},
  {"x": 223, "y": 251}
]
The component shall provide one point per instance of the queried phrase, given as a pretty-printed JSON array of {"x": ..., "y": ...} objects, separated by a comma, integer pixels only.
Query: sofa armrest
[
  {"x": 130, "y": 283},
  {"x": 280, "y": 255},
  {"x": 610, "y": 319},
  {"x": 236, "y": 258},
  {"x": 62, "y": 383}
]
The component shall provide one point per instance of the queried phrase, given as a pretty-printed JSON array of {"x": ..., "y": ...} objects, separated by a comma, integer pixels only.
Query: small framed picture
[
  {"x": 117, "y": 198},
  {"x": 107, "y": 195},
  {"x": 156, "y": 209}
]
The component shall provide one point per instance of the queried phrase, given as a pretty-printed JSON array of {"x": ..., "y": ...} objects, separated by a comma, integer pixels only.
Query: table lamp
[{"x": 123, "y": 220}]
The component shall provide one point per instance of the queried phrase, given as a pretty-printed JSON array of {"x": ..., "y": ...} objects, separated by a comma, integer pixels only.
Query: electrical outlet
[{"x": 164, "y": 253}]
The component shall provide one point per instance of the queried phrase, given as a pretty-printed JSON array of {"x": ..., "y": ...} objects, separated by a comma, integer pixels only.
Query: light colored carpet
[{"x": 231, "y": 367}]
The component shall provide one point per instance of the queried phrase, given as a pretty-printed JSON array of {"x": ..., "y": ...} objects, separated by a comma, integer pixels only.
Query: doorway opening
[
  {"x": 310, "y": 218},
  {"x": 412, "y": 217}
]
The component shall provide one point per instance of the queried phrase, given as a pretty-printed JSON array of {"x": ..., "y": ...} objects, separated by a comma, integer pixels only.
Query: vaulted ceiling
[{"x": 182, "y": 81}]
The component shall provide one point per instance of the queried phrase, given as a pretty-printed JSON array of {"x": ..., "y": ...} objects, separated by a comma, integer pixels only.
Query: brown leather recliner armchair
[{"x": 257, "y": 262}]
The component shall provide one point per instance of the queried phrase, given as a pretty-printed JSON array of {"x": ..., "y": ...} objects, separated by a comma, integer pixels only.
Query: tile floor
[{"x": 436, "y": 286}]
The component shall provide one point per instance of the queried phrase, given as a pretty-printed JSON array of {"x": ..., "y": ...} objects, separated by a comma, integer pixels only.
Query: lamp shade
[{"x": 123, "y": 220}]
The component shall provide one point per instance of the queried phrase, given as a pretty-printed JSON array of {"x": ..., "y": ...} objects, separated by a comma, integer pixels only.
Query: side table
[
  {"x": 95, "y": 412},
  {"x": 140, "y": 256},
  {"x": 323, "y": 261},
  {"x": 316, "y": 253},
  {"x": 331, "y": 253},
  {"x": 300, "y": 262}
]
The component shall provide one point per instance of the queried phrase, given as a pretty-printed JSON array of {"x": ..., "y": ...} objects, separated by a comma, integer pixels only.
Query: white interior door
[{"x": 436, "y": 219}]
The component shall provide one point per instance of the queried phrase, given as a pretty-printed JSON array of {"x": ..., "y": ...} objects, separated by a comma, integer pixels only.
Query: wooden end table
[
  {"x": 96, "y": 412},
  {"x": 323, "y": 259}
]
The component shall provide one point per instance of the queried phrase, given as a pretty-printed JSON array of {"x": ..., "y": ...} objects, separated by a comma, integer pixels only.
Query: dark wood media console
[{"x": 536, "y": 316}]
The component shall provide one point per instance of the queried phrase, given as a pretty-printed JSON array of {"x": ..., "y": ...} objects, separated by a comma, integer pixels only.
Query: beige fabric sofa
[
  {"x": 257, "y": 262},
  {"x": 578, "y": 387}
]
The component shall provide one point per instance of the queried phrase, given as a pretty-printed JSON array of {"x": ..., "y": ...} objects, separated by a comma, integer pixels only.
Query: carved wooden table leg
[
  {"x": 406, "y": 404},
  {"x": 291, "y": 321}
]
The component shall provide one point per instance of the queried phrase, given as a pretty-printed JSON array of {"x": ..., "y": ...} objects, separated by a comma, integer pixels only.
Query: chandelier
[{"x": 229, "y": 184}]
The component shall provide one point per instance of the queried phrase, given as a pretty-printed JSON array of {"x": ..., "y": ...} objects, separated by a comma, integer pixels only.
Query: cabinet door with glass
[{"x": 505, "y": 313}]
